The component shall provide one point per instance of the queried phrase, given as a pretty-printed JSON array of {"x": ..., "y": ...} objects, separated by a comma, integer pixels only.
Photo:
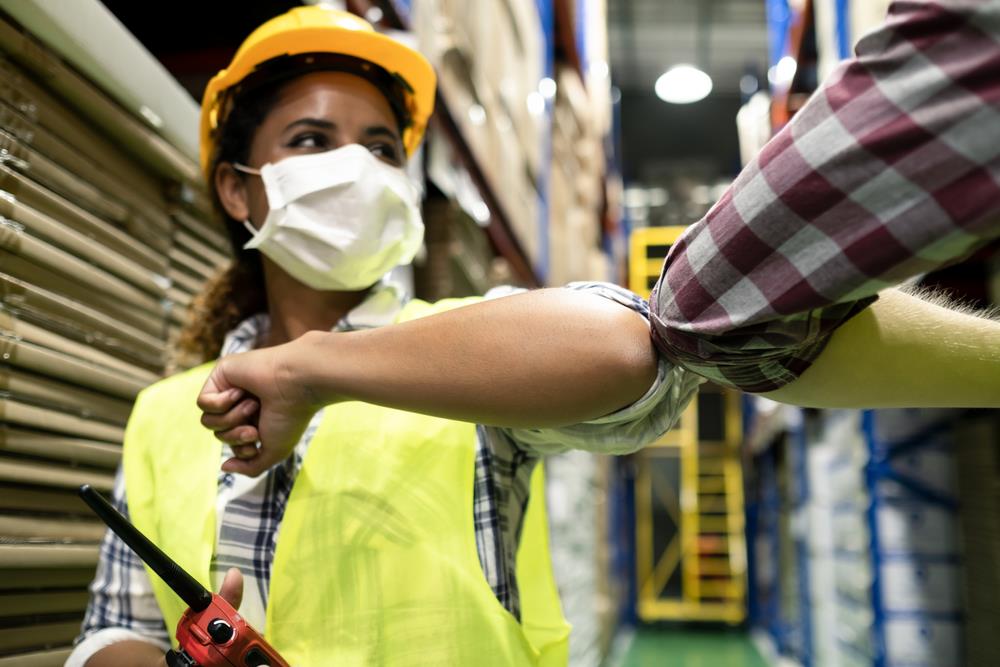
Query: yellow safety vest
[{"x": 376, "y": 561}]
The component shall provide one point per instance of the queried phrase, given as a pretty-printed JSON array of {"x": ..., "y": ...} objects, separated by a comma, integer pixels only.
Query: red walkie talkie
[{"x": 210, "y": 633}]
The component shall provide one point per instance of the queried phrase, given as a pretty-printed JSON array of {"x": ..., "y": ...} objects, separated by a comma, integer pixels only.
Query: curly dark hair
[{"x": 237, "y": 292}]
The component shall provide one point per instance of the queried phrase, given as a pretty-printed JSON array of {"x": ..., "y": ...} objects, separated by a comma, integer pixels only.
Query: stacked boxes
[
  {"x": 490, "y": 62},
  {"x": 576, "y": 185},
  {"x": 536, "y": 143},
  {"x": 103, "y": 240}
]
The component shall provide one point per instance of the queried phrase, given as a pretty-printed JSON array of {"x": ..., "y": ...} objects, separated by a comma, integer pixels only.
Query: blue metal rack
[
  {"x": 791, "y": 633},
  {"x": 891, "y": 489},
  {"x": 763, "y": 507},
  {"x": 801, "y": 477},
  {"x": 880, "y": 468},
  {"x": 843, "y": 9},
  {"x": 547, "y": 16},
  {"x": 779, "y": 19}
]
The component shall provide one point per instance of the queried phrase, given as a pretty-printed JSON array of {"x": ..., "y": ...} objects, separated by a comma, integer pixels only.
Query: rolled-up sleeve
[
  {"x": 891, "y": 170},
  {"x": 630, "y": 428}
]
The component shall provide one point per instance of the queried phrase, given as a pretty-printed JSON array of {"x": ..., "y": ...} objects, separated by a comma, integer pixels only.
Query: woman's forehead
[{"x": 333, "y": 95}]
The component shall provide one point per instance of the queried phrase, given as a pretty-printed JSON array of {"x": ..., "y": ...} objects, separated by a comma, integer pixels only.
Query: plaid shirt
[
  {"x": 122, "y": 605},
  {"x": 892, "y": 169}
]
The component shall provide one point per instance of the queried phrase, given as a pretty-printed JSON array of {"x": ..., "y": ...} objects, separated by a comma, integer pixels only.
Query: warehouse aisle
[{"x": 688, "y": 648}]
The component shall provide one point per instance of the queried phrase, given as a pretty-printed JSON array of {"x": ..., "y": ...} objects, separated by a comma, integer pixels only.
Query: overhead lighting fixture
[
  {"x": 687, "y": 83},
  {"x": 683, "y": 84},
  {"x": 547, "y": 87},
  {"x": 536, "y": 103},
  {"x": 477, "y": 114},
  {"x": 481, "y": 212},
  {"x": 783, "y": 73},
  {"x": 600, "y": 69}
]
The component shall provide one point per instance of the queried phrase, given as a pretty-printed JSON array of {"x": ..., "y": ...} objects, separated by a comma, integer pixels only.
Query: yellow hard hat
[{"x": 317, "y": 29}]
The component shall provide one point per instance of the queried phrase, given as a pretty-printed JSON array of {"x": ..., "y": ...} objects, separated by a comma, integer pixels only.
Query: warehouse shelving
[
  {"x": 529, "y": 147},
  {"x": 914, "y": 546},
  {"x": 500, "y": 229},
  {"x": 860, "y": 506},
  {"x": 100, "y": 156},
  {"x": 777, "y": 498},
  {"x": 103, "y": 241}
]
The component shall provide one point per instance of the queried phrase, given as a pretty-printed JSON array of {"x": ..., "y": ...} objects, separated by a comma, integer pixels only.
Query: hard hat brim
[{"x": 396, "y": 58}]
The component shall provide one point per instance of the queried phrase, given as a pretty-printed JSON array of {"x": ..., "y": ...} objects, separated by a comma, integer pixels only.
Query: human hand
[
  {"x": 232, "y": 592},
  {"x": 232, "y": 588},
  {"x": 256, "y": 403}
]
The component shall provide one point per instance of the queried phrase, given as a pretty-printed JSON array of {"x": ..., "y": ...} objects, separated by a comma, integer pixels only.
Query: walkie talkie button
[
  {"x": 221, "y": 631},
  {"x": 200, "y": 635},
  {"x": 255, "y": 658}
]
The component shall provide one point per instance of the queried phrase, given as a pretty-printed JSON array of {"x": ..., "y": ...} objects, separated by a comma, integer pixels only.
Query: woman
[{"x": 366, "y": 534}]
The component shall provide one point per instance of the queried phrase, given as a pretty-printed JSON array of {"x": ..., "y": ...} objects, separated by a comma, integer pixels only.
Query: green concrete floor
[{"x": 691, "y": 648}]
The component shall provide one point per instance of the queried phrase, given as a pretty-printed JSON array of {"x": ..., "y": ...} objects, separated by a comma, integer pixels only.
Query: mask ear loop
[
  {"x": 245, "y": 169},
  {"x": 253, "y": 172}
]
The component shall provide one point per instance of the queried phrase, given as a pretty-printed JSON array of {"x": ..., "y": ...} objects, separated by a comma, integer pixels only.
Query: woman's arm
[
  {"x": 129, "y": 653},
  {"x": 533, "y": 360},
  {"x": 904, "y": 351}
]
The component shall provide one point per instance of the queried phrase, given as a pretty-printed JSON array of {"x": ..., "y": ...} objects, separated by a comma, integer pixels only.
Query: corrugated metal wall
[{"x": 103, "y": 242}]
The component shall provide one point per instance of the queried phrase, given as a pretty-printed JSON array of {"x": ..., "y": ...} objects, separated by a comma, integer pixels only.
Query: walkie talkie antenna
[{"x": 187, "y": 587}]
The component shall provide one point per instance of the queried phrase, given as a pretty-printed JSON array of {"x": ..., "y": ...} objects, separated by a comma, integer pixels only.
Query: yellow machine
[{"x": 690, "y": 540}]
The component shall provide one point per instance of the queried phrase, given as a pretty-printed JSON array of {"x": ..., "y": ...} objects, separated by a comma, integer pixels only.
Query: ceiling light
[
  {"x": 658, "y": 196},
  {"x": 683, "y": 84},
  {"x": 600, "y": 69},
  {"x": 481, "y": 212},
  {"x": 636, "y": 197},
  {"x": 547, "y": 87},
  {"x": 536, "y": 103},
  {"x": 783, "y": 73},
  {"x": 477, "y": 114},
  {"x": 749, "y": 84}
]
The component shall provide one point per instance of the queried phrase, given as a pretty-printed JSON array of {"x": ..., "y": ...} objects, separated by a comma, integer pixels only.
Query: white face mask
[{"x": 339, "y": 220}]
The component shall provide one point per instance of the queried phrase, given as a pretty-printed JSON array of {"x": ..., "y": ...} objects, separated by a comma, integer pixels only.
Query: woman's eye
[
  {"x": 385, "y": 152},
  {"x": 311, "y": 140}
]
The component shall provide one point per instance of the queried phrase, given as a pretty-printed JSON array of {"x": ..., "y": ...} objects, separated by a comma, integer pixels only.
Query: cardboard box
[{"x": 923, "y": 642}]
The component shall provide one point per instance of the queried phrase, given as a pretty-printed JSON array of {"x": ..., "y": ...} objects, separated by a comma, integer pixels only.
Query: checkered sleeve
[{"x": 892, "y": 169}]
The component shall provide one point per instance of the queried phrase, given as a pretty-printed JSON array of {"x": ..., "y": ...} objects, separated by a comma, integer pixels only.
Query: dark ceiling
[
  {"x": 664, "y": 142},
  {"x": 194, "y": 40}
]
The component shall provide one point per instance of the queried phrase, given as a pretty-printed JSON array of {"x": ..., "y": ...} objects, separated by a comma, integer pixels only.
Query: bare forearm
[
  {"x": 904, "y": 352},
  {"x": 540, "y": 359},
  {"x": 131, "y": 653}
]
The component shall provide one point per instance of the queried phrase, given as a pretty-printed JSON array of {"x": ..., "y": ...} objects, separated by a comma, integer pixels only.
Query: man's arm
[
  {"x": 904, "y": 351},
  {"x": 891, "y": 170}
]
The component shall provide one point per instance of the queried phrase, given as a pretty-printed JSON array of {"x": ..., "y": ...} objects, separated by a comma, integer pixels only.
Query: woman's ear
[{"x": 232, "y": 191}]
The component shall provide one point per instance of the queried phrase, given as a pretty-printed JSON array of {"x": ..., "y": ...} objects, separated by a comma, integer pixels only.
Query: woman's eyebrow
[
  {"x": 311, "y": 122},
  {"x": 380, "y": 131}
]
